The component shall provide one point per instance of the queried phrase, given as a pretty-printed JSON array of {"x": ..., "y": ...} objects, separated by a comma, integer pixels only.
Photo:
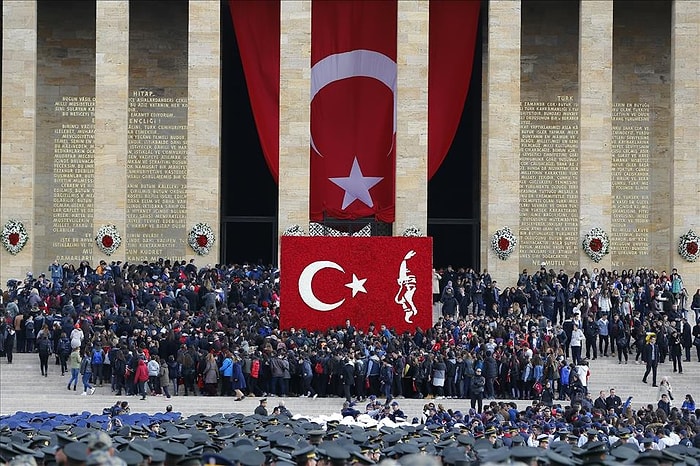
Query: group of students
[{"x": 165, "y": 327}]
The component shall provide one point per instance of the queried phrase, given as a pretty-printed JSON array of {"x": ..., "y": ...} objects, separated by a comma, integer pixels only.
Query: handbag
[{"x": 696, "y": 341}]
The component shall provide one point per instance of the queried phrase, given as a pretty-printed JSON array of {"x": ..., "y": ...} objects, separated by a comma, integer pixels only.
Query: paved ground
[{"x": 23, "y": 389}]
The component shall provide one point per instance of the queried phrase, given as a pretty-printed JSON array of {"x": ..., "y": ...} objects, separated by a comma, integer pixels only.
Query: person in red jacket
[{"x": 141, "y": 377}]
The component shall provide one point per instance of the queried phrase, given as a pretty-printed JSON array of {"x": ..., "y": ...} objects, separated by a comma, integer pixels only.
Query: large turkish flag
[
  {"x": 384, "y": 280},
  {"x": 353, "y": 109}
]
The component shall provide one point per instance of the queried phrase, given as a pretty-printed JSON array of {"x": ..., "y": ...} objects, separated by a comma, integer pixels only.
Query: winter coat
[
  {"x": 141, "y": 374},
  {"x": 237, "y": 377},
  {"x": 164, "y": 374}
]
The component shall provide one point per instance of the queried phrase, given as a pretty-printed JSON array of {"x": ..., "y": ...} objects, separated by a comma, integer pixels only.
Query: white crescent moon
[
  {"x": 306, "y": 291},
  {"x": 363, "y": 63}
]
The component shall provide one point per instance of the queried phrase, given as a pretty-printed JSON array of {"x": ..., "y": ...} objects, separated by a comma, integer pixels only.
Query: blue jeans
[
  {"x": 73, "y": 377},
  {"x": 86, "y": 381}
]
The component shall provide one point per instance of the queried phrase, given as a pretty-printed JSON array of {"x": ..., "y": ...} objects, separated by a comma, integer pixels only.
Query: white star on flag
[
  {"x": 357, "y": 186},
  {"x": 357, "y": 285}
]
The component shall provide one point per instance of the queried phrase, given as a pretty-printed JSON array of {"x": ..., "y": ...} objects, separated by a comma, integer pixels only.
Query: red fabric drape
[
  {"x": 453, "y": 28},
  {"x": 257, "y": 26},
  {"x": 353, "y": 91}
]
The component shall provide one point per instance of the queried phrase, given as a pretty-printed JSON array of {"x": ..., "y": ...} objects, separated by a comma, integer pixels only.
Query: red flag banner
[
  {"x": 257, "y": 27},
  {"x": 380, "y": 280},
  {"x": 353, "y": 109},
  {"x": 453, "y": 27},
  {"x": 353, "y": 96}
]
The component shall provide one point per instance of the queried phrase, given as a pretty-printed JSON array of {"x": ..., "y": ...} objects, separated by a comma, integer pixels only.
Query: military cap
[
  {"x": 625, "y": 432},
  {"x": 130, "y": 457},
  {"x": 543, "y": 438},
  {"x": 252, "y": 458},
  {"x": 304, "y": 452},
  {"x": 522, "y": 452},
  {"x": 592, "y": 448},
  {"x": 315, "y": 436},
  {"x": 335, "y": 453},
  {"x": 244, "y": 441},
  {"x": 557, "y": 459},
  {"x": 99, "y": 440},
  {"x": 465, "y": 439},
  {"x": 649, "y": 458},
  {"x": 143, "y": 448},
  {"x": 22, "y": 450},
  {"x": 517, "y": 440},
  {"x": 497, "y": 455},
  {"x": 646, "y": 440},
  {"x": 39, "y": 441},
  {"x": 7, "y": 452},
  {"x": 76, "y": 452},
  {"x": 391, "y": 438},
  {"x": 174, "y": 449},
  {"x": 157, "y": 456}
]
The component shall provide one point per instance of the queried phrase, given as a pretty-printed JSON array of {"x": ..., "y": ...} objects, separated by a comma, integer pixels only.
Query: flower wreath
[
  {"x": 503, "y": 243},
  {"x": 596, "y": 244},
  {"x": 14, "y": 236},
  {"x": 108, "y": 239},
  {"x": 294, "y": 230},
  {"x": 201, "y": 238},
  {"x": 689, "y": 246},
  {"x": 412, "y": 232}
]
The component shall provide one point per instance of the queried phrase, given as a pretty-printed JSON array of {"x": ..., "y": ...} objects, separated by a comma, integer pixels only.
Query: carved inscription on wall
[
  {"x": 630, "y": 181},
  {"x": 73, "y": 178},
  {"x": 156, "y": 174},
  {"x": 549, "y": 182}
]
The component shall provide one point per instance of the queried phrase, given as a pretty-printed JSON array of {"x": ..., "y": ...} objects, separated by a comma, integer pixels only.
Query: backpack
[
  {"x": 97, "y": 356},
  {"x": 318, "y": 368},
  {"x": 29, "y": 326}
]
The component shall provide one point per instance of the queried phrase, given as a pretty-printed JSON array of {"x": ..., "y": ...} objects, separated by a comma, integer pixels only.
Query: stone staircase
[{"x": 22, "y": 388}]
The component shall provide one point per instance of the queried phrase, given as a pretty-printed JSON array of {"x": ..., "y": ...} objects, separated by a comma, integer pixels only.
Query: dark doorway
[
  {"x": 250, "y": 240},
  {"x": 248, "y": 191},
  {"x": 454, "y": 193}
]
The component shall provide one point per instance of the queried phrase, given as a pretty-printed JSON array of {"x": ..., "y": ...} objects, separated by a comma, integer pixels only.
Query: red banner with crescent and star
[
  {"x": 381, "y": 280},
  {"x": 353, "y": 109}
]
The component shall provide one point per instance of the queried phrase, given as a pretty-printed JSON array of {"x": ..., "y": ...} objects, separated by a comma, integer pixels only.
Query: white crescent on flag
[
  {"x": 306, "y": 291},
  {"x": 357, "y": 285},
  {"x": 356, "y": 63}
]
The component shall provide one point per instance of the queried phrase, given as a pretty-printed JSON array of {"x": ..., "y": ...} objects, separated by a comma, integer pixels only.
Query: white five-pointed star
[
  {"x": 357, "y": 285},
  {"x": 357, "y": 186}
]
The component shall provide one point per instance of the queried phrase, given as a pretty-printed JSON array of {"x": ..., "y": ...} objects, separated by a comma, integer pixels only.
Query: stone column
[
  {"x": 19, "y": 34},
  {"x": 111, "y": 118},
  {"x": 685, "y": 101},
  {"x": 295, "y": 114},
  {"x": 500, "y": 160},
  {"x": 595, "y": 91},
  {"x": 204, "y": 117},
  {"x": 412, "y": 117}
]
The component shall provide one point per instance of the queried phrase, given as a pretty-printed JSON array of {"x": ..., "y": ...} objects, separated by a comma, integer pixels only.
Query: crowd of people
[{"x": 175, "y": 329}]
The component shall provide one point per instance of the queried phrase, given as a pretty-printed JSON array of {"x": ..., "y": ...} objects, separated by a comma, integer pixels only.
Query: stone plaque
[
  {"x": 641, "y": 165},
  {"x": 549, "y": 135},
  {"x": 157, "y": 147},
  {"x": 65, "y": 168}
]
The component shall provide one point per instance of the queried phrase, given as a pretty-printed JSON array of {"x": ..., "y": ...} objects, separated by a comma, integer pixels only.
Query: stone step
[{"x": 22, "y": 388}]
